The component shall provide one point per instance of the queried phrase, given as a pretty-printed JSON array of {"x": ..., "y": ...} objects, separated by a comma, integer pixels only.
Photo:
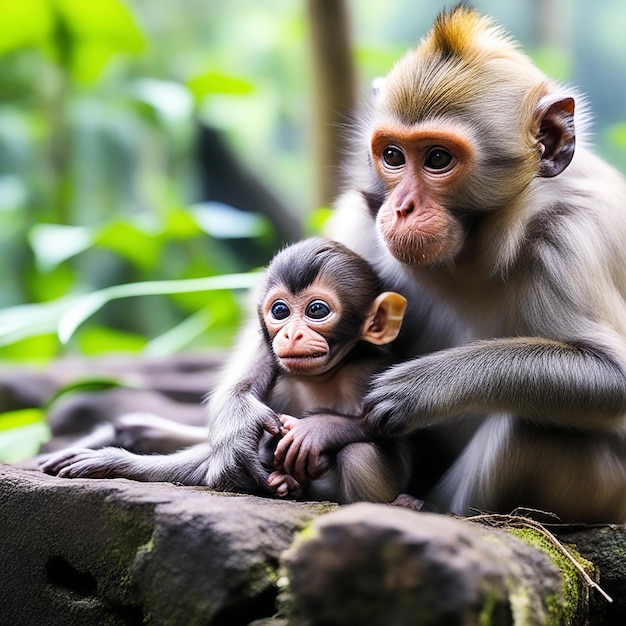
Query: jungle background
[{"x": 154, "y": 155}]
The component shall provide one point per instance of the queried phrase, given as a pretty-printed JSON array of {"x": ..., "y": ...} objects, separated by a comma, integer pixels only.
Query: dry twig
[{"x": 522, "y": 521}]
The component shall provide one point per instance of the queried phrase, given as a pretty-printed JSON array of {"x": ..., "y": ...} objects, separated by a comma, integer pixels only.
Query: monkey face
[
  {"x": 420, "y": 168},
  {"x": 302, "y": 329}
]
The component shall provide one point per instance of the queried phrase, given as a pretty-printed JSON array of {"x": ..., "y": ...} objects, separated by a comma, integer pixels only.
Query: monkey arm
[
  {"x": 218, "y": 462},
  {"x": 210, "y": 462},
  {"x": 186, "y": 467},
  {"x": 238, "y": 415},
  {"x": 227, "y": 460},
  {"x": 300, "y": 452},
  {"x": 568, "y": 384}
]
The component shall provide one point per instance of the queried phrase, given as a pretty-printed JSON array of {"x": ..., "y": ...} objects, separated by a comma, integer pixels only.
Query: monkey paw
[
  {"x": 284, "y": 485},
  {"x": 407, "y": 501},
  {"x": 81, "y": 463},
  {"x": 397, "y": 402},
  {"x": 383, "y": 414}
]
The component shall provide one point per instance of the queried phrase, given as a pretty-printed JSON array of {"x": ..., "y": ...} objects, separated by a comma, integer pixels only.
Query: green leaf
[
  {"x": 65, "y": 315},
  {"x": 617, "y": 134},
  {"x": 316, "y": 220},
  {"x": 40, "y": 348},
  {"x": 212, "y": 82},
  {"x": 132, "y": 242},
  {"x": 181, "y": 336},
  {"x": 99, "y": 29},
  {"x": 171, "y": 100},
  {"x": 89, "y": 384},
  {"x": 22, "y": 417},
  {"x": 22, "y": 442},
  {"x": 101, "y": 340},
  {"x": 84, "y": 307},
  {"x": 24, "y": 23},
  {"x": 225, "y": 222},
  {"x": 30, "y": 320},
  {"x": 82, "y": 310},
  {"x": 180, "y": 224},
  {"x": 54, "y": 243},
  {"x": 554, "y": 62},
  {"x": 107, "y": 21}
]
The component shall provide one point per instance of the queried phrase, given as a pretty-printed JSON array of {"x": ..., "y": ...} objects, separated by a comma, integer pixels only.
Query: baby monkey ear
[{"x": 384, "y": 319}]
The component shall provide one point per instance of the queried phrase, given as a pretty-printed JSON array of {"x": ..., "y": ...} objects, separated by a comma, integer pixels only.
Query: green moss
[
  {"x": 308, "y": 533},
  {"x": 561, "y": 609},
  {"x": 486, "y": 615},
  {"x": 123, "y": 535}
]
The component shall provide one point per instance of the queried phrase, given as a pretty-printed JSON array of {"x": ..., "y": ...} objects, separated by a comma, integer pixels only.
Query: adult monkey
[
  {"x": 475, "y": 196},
  {"x": 470, "y": 200}
]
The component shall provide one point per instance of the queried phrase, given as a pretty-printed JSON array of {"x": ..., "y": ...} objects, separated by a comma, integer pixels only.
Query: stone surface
[
  {"x": 81, "y": 552},
  {"x": 112, "y": 552},
  {"x": 605, "y": 547},
  {"x": 377, "y": 565}
]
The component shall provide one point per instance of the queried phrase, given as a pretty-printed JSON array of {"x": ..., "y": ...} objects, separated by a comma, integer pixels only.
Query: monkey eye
[
  {"x": 317, "y": 310},
  {"x": 437, "y": 159},
  {"x": 393, "y": 156},
  {"x": 279, "y": 310}
]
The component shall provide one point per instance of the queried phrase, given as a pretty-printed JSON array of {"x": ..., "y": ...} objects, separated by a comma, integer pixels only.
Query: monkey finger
[
  {"x": 281, "y": 449},
  {"x": 305, "y": 461},
  {"x": 292, "y": 463},
  {"x": 288, "y": 446},
  {"x": 301, "y": 467},
  {"x": 288, "y": 421},
  {"x": 54, "y": 463},
  {"x": 316, "y": 467},
  {"x": 283, "y": 485},
  {"x": 83, "y": 466},
  {"x": 272, "y": 424},
  {"x": 275, "y": 480}
]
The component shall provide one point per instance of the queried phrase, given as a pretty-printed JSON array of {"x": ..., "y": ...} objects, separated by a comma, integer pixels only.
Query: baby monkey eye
[
  {"x": 393, "y": 156},
  {"x": 280, "y": 310},
  {"x": 438, "y": 159},
  {"x": 317, "y": 310}
]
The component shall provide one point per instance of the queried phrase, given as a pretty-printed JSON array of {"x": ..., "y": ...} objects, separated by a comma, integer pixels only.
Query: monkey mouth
[{"x": 303, "y": 362}]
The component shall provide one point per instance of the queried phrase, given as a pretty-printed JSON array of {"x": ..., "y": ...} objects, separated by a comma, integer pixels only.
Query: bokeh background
[{"x": 155, "y": 145}]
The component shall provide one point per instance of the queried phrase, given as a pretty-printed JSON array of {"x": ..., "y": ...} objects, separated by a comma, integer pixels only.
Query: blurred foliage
[
  {"x": 99, "y": 111},
  {"x": 97, "y": 173},
  {"x": 100, "y": 103}
]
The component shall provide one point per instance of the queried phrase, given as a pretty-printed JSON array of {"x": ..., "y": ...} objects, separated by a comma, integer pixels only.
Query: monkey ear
[
  {"x": 557, "y": 136},
  {"x": 384, "y": 319}
]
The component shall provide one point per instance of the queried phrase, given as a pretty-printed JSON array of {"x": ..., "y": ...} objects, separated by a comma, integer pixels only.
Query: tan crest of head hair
[
  {"x": 463, "y": 58},
  {"x": 463, "y": 32}
]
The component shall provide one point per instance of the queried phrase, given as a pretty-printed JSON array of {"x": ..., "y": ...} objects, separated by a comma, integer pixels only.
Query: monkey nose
[
  {"x": 294, "y": 335},
  {"x": 405, "y": 209}
]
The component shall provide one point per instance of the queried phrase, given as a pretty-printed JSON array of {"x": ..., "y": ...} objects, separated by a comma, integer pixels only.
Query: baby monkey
[
  {"x": 326, "y": 321},
  {"x": 325, "y": 318}
]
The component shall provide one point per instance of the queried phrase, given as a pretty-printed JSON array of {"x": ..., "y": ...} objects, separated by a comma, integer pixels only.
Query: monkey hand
[
  {"x": 405, "y": 397},
  {"x": 284, "y": 485},
  {"x": 302, "y": 452},
  {"x": 85, "y": 463},
  {"x": 236, "y": 422}
]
